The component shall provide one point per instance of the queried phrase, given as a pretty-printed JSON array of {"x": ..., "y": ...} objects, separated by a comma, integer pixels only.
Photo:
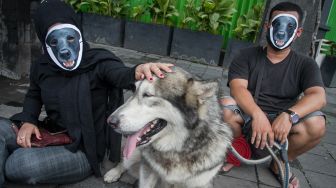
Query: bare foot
[{"x": 227, "y": 167}]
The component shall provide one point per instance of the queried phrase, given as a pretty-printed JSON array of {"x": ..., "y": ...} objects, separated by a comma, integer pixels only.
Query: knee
[
  {"x": 4, "y": 121},
  {"x": 19, "y": 168},
  {"x": 228, "y": 114},
  {"x": 5, "y": 125},
  {"x": 315, "y": 127},
  {"x": 226, "y": 100},
  {"x": 6, "y": 130}
]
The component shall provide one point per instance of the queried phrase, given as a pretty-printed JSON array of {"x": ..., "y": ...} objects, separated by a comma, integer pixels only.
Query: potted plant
[
  {"x": 101, "y": 20},
  {"x": 151, "y": 37},
  {"x": 208, "y": 19},
  {"x": 326, "y": 59},
  {"x": 245, "y": 34}
]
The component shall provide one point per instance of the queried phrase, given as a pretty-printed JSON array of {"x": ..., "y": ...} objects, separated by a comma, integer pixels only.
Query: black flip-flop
[{"x": 278, "y": 177}]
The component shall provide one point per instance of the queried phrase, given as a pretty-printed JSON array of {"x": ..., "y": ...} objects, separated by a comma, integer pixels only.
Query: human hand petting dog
[
  {"x": 24, "y": 135},
  {"x": 145, "y": 70}
]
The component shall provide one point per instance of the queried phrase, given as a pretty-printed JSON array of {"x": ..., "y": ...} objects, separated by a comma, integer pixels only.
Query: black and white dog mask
[
  {"x": 64, "y": 45},
  {"x": 282, "y": 31}
]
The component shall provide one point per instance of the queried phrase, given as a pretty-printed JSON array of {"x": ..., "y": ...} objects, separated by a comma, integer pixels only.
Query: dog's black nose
[
  {"x": 113, "y": 121},
  {"x": 65, "y": 53},
  {"x": 281, "y": 35}
]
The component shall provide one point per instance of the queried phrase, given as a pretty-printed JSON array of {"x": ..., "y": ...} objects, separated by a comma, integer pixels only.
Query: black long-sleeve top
[{"x": 45, "y": 85}]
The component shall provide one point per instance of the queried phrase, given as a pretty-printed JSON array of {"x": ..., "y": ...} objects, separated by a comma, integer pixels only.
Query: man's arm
[
  {"x": 243, "y": 97},
  {"x": 261, "y": 127},
  {"x": 314, "y": 99}
]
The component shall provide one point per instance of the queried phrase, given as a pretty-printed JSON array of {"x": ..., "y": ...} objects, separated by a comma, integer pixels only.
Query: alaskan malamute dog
[{"x": 174, "y": 130}]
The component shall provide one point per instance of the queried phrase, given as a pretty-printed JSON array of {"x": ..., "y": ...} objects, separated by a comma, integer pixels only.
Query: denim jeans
[{"x": 52, "y": 164}]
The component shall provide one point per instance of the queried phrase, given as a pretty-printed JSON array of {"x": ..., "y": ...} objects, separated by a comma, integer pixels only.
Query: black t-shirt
[{"x": 282, "y": 82}]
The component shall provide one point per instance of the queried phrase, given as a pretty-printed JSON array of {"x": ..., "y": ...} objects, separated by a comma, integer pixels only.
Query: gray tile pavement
[
  {"x": 230, "y": 182},
  {"x": 315, "y": 169},
  {"x": 318, "y": 180},
  {"x": 319, "y": 150},
  {"x": 245, "y": 172},
  {"x": 318, "y": 164}
]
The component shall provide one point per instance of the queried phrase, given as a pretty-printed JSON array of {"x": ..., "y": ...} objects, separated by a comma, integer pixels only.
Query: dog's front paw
[{"x": 112, "y": 176}]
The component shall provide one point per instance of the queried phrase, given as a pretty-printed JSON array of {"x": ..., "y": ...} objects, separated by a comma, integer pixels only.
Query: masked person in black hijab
[{"x": 78, "y": 88}]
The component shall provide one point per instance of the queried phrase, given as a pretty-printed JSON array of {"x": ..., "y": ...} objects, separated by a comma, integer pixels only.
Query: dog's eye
[
  {"x": 70, "y": 38},
  {"x": 290, "y": 26},
  {"x": 147, "y": 95},
  {"x": 275, "y": 23},
  {"x": 53, "y": 42}
]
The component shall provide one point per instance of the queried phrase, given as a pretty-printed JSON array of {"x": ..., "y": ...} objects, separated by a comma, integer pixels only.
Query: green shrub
[
  {"x": 163, "y": 11},
  {"x": 189, "y": 16},
  {"x": 248, "y": 25},
  {"x": 211, "y": 16},
  {"x": 333, "y": 49},
  {"x": 138, "y": 11},
  {"x": 328, "y": 48},
  {"x": 114, "y": 8},
  {"x": 120, "y": 8},
  {"x": 102, "y": 7}
]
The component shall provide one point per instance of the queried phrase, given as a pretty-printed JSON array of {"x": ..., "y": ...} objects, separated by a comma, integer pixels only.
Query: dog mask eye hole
[
  {"x": 275, "y": 23},
  {"x": 70, "y": 38},
  {"x": 53, "y": 42}
]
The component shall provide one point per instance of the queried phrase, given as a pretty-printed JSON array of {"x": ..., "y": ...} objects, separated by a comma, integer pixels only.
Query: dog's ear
[{"x": 202, "y": 89}]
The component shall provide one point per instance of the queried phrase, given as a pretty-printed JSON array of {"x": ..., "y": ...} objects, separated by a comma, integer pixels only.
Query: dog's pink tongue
[
  {"x": 130, "y": 145},
  {"x": 131, "y": 142}
]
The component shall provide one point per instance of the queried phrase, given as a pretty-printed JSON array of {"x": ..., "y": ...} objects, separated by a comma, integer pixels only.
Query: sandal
[{"x": 293, "y": 180}]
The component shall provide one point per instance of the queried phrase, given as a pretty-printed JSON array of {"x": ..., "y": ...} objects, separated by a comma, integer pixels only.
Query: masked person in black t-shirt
[{"x": 278, "y": 112}]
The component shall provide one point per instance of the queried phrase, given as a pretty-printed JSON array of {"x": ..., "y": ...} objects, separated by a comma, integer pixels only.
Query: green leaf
[
  {"x": 249, "y": 23},
  {"x": 118, "y": 9},
  {"x": 209, "y": 5},
  {"x": 214, "y": 17},
  {"x": 84, "y": 7},
  {"x": 188, "y": 20},
  {"x": 157, "y": 10}
]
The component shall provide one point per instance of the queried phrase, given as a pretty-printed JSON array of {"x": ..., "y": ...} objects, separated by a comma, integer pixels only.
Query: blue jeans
[{"x": 52, "y": 165}]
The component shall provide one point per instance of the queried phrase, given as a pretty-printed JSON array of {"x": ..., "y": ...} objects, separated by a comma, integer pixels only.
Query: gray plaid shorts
[{"x": 236, "y": 109}]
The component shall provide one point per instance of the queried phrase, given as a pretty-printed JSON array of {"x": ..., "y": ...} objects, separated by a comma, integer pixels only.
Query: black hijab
[
  {"x": 77, "y": 114},
  {"x": 51, "y": 12}
]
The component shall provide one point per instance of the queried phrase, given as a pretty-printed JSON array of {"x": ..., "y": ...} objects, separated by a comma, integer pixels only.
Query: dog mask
[
  {"x": 282, "y": 31},
  {"x": 64, "y": 45}
]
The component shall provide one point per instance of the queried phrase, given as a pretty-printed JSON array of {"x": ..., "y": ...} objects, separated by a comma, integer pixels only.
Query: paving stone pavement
[{"x": 315, "y": 169}]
